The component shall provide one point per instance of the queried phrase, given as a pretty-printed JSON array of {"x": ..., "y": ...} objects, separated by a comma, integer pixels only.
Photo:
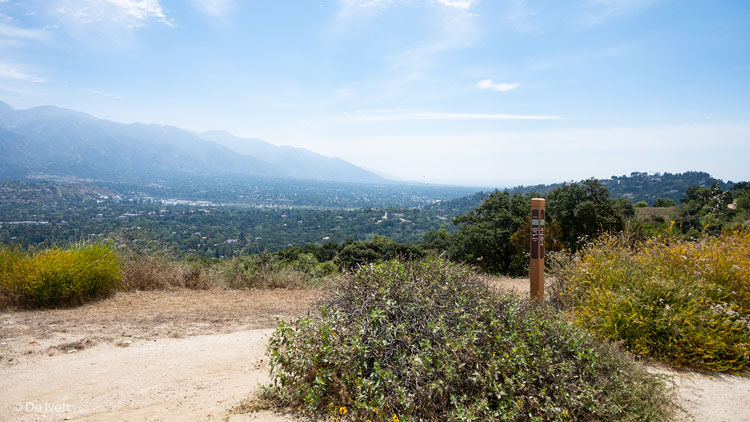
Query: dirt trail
[
  {"x": 127, "y": 359},
  {"x": 712, "y": 397},
  {"x": 197, "y": 379}
]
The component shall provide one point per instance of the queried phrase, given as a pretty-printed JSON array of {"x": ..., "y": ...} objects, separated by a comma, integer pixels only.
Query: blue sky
[{"x": 476, "y": 92}]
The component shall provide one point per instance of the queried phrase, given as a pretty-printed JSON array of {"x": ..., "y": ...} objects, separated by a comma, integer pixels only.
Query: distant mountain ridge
[
  {"x": 295, "y": 162},
  {"x": 642, "y": 186},
  {"x": 638, "y": 186},
  {"x": 54, "y": 141}
]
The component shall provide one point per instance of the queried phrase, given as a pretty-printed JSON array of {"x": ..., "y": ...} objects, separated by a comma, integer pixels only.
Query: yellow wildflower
[{"x": 342, "y": 410}]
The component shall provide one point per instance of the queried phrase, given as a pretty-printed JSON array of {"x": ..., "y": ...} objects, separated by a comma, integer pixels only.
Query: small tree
[
  {"x": 664, "y": 202},
  {"x": 583, "y": 211},
  {"x": 484, "y": 234}
]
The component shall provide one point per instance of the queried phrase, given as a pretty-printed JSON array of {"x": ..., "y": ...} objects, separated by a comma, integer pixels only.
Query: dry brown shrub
[{"x": 151, "y": 273}]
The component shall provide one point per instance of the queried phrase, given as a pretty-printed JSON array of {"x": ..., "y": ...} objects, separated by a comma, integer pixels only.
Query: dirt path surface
[
  {"x": 129, "y": 318},
  {"x": 712, "y": 397},
  {"x": 193, "y": 355},
  {"x": 198, "y": 378}
]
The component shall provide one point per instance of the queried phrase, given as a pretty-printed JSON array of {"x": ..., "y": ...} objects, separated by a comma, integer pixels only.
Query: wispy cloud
[
  {"x": 215, "y": 8},
  {"x": 445, "y": 27},
  {"x": 600, "y": 11},
  {"x": 10, "y": 72},
  {"x": 10, "y": 31},
  {"x": 458, "y": 4},
  {"x": 142, "y": 10},
  {"x": 502, "y": 86},
  {"x": 429, "y": 115},
  {"x": 356, "y": 9},
  {"x": 132, "y": 13},
  {"x": 521, "y": 17}
]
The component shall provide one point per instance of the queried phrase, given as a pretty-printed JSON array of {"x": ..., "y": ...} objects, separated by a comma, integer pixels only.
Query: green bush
[
  {"x": 683, "y": 302},
  {"x": 354, "y": 254},
  {"x": 428, "y": 341},
  {"x": 58, "y": 277},
  {"x": 663, "y": 202}
]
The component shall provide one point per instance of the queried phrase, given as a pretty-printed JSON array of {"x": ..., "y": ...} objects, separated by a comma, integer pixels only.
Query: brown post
[{"x": 537, "y": 250}]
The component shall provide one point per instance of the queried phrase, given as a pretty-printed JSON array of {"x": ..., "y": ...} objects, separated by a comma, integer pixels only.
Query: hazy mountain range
[{"x": 55, "y": 141}]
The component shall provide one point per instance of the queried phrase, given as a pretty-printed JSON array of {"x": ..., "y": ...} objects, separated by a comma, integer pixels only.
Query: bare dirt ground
[
  {"x": 128, "y": 318},
  {"x": 194, "y": 355}
]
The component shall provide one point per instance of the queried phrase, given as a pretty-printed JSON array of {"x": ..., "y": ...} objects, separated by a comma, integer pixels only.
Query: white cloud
[
  {"x": 132, "y": 13},
  {"x": 419, "y": 115},
  {"x": 142, "y": 10},
  {"x": 502, "y": 86},
  {"x": 458, "y": 4},
  {"x": 10, "y": 72}
]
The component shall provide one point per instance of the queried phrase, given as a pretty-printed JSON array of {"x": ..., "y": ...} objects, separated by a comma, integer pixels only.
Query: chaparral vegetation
[
  {"x": 426, "y": 340},
  {"x": 679, "y": 301}
]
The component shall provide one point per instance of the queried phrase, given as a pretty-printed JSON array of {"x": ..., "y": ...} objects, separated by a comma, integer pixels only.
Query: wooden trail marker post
[{"x": 536, "y": 270}]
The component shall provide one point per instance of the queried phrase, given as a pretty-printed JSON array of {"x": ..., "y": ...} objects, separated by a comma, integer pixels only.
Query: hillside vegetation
[
  {"x": 679, "y": 301},
  {"x": 57, "y": 277},
  {"x": 427, "y": 341}
]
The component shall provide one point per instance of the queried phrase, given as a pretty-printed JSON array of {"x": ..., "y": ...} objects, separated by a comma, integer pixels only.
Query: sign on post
[{"x": 536, "y": 270}]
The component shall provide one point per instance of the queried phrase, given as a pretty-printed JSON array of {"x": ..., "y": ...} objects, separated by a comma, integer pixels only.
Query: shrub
[
  {"x": 684, "y": 302},
  {"x": 428, "y": 341},
  {"x": 354, "y": 254},
  {"x": 263, "y": 271},
  {"x": 663, "y": 202},
  {"x": 58, "y": 277}
]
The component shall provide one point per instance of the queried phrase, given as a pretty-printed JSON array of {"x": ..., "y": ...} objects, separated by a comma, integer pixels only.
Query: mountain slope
[
  {"x": 296, "y": 162},
  {"x": 61, "y": 142}
]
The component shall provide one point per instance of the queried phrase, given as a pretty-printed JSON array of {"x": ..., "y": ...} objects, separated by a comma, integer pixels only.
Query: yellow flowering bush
[
  {"x": 685, "y": 302},
  {"x": 56, "y": 276}
]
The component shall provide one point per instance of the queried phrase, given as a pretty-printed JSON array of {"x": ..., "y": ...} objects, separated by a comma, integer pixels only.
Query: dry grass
[
  {"x": 150, "y": 273},
  {"x": 660, "y": 214}
]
